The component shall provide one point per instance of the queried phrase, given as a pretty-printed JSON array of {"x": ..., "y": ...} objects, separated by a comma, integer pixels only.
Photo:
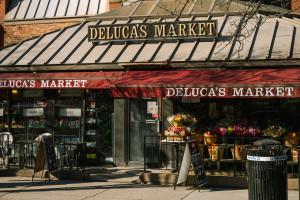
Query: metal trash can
[
  {"x": 298, "y": 149},
  {"x": 267, "y": 171}
]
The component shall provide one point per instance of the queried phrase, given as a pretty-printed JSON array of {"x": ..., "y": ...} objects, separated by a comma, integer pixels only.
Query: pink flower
[{"x": 220, "y": 131}]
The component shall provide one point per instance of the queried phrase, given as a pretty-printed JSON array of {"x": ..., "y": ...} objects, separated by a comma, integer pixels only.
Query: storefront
[
  {"x": 222, "y": 109},
  {"x": 74, "y": 107},
  {"x": 221, "y": 69}
]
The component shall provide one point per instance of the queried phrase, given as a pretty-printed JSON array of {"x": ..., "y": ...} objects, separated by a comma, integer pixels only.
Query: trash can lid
[{"x": 266, "y": 142}]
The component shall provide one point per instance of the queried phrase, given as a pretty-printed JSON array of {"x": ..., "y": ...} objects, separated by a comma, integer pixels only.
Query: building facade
[{"x": 114, "y": 79}]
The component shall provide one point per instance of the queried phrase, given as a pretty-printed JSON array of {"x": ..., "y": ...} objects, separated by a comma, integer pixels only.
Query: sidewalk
[{"x": 21, "y": 188}]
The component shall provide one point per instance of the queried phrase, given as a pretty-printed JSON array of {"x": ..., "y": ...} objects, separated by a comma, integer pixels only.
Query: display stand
[
  {"x": 45, "y": 156},
  {"x": 192, "y": 156}
]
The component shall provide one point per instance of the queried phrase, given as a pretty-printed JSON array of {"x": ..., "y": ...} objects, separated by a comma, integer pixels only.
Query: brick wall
[
  {"x": 295, "y": 5},
  {"x": 3, "y": 4},
  {"x": 15, "y": 32},
  {"x": 114, "y": 5}
]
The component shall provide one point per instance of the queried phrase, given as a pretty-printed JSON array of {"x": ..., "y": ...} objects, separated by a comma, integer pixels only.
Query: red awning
[
  {"x": 59, "y": 80},
  {"x": 209, "y": 83}
]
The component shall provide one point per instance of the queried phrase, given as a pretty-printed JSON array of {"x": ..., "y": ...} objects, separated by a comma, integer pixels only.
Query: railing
[
  {"x": 22, "y": 153},
  {"x": 221, "y": 155}
]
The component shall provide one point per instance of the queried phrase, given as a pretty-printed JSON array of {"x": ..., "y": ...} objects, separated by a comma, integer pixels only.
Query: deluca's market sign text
[
  {"x": 43, "y": 83},
  {"x": 179, "y": 30},
  {"x": 275, "y": 91}
]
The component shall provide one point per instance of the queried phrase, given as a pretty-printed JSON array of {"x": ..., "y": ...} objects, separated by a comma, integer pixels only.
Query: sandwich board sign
[
  {"x": 46, "y": 156},
  {"x": 191, "y": 157}
]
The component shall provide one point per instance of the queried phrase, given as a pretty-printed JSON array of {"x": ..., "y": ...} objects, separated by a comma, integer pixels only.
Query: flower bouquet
[
  {"x": 181, "y": 126},
  {"x": 241, "y": 130},
  {"x": 224, "y": 129},
  {"x": 221, "y": 131},
  {"x": 274, "y": 129},
  {"x": 182, "y": 120}
]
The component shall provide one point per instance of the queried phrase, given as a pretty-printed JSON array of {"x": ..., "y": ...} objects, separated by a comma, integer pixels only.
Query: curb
[{"x": 169, "y": 179}]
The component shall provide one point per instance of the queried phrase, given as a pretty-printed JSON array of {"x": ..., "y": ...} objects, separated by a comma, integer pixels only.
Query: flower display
[
  {"x": 224, "y": 127},
  {"x": 239, "y": 130},
  {"x": 181, "y": 126},
  {"x": 221, "y": 131},
  {"x": 247, "y": 130},
  {"x": 274, "y": 129},
  {"x": 244, "y": 128},
  {"x": 182, "y": 120},
  {"x": 180, "y": 131},
  {"x": 253, "y": 131}
]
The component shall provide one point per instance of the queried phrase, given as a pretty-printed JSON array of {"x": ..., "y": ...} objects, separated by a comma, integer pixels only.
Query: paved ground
[{"x": 110, "y": 185}]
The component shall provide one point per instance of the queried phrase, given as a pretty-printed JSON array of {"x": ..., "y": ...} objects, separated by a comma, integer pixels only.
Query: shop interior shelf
[{"x": 292, "y": 162}]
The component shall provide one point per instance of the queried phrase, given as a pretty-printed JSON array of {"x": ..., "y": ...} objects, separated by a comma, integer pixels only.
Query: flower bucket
[
  {"x": 227, "y": 139},
  {"x": 292, "y": 139},
  {"x": 210, "y": 139},
  {"x": 295, "y": 155},
  {"x": 237, "y": 153},
  {"x": 215, "y": 152}
]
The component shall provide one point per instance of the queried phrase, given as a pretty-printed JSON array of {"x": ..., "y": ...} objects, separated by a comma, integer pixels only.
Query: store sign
[
  {"x": 42, "y": 103},
  {"x": 276, "y": 91},
  {"x": 152, "y": 107},
  {"x": 43, "y": 83},
  {"x": 70, "y": 112},
  {"x": 192, "y": 156},
  {"x": 162, "y": 30},
  {"x": 32, "y": 112}
]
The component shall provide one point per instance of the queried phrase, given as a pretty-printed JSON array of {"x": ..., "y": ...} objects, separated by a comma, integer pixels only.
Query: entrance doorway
[{"x": 143, "y": 123}]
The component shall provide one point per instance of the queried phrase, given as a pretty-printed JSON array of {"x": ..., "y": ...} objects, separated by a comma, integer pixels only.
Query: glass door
[
  {"x": 98, "y": 125},
  {"x": 4, "y": 118},
  {"x": 68, "y": 115},
  {"x": 143, "y": 124}
]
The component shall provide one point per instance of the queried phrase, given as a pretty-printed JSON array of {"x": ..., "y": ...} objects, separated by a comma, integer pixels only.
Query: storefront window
[
  {"x": 28, "y": 114},
  {"x": 4, "y": 118},
  {"x": 223, "y": 127},
  {"x": 68, "y": 115},
  {"x": 98, "y": 126},
  {"x": 211, "y": 113}
]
